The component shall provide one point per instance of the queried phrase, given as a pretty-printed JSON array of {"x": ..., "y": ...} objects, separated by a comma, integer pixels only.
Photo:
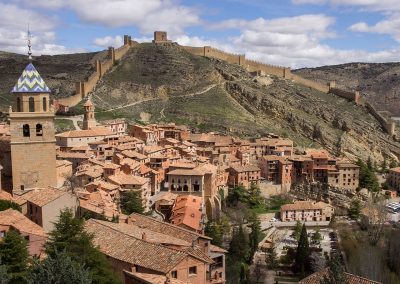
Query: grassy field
[{"x": 62, "y": 125}]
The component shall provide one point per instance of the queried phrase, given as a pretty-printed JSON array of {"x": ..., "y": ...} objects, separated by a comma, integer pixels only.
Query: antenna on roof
[{"x": 29, "y": 36}]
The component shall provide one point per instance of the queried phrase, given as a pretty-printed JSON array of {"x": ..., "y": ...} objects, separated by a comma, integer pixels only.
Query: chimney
[{"x": 144, "y": 237}]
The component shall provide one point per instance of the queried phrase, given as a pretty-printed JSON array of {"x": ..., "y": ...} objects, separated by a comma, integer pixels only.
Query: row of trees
[{"x": 71, "y": 257}]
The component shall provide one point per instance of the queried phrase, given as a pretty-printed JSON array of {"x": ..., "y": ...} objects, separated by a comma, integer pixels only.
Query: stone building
[
  {"x": 306, "y": 211},
  {"x": 89, "y": 120},
  {"x": 393, "y": 178},
  {"x": 160, "y": 37},
  {"x": 33, "y": 151}
]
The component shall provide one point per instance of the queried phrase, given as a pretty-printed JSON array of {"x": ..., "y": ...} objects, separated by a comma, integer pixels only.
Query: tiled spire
[{"x": 30, "y": 82}]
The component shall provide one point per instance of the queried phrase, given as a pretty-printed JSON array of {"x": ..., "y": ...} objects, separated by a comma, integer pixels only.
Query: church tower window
[
  {"x": 26, "y": 131},
  {"x": 18, "y": 104},
  {"x": 44, "y": 104},
  {"x": 31, "y": 104},
  {"x": 39, "y": 130}
]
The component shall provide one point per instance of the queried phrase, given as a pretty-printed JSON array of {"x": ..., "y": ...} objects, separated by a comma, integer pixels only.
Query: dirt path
[{"x": 155, "y": 99}]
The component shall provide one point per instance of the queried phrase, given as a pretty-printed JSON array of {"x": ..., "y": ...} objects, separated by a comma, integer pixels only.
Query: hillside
[
  {"x": 60, "y": 72},
  {"x": 379, "y": 82},
  {"x": 163, "y": 83},
  {"x": 166, "y": 84}
]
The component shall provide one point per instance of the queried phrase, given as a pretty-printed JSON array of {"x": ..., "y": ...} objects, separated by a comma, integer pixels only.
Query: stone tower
[
  {"x": 33, "y": 145},
  {"x": 88, "y": 119}
]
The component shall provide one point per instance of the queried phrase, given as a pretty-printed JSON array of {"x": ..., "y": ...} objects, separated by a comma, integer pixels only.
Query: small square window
[
  {"x": 192, "y": 270},
  {"x": 174, "y": 274}
]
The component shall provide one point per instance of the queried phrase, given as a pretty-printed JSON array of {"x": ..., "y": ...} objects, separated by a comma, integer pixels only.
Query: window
[
  {"x": 31, "y": 104},
  {"x": 174, "y": 274},
  {"x": 192, "y": 270},
  {"x": 39, "y": 130},
  {"x": 44, "y": 104},
  {"x": 26, "y": 131},
  {"x": 18, "y": 104}
]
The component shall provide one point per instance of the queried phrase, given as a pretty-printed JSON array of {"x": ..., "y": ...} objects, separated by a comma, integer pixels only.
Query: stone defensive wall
[
  {"x": 83, "y": 88},
  {"x": 309, "y": 83},
  {"x": 387, "y": 123}
]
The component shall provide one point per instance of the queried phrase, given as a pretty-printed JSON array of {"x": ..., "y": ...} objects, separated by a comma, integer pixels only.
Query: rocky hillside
[
  {"x": 60, "y": 72},
  {"x": 379, "y": 82},
  {"x": 164, "y": 83}
]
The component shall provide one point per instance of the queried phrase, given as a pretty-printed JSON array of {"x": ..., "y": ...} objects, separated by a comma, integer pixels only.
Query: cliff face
[{"x": 379, "y": 82}]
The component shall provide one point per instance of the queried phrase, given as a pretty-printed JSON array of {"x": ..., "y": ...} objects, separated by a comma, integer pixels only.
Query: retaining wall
[
  {"x": 312, "y": 84},
  {"x": 352, "y": 96}
]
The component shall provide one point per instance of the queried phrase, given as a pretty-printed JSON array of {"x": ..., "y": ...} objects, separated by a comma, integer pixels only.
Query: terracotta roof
[
  {"x": 98, "y": 131},
  {"x": 214, "y": 248},
  {"x": 316, "y": 278},
  {"x": 4, "y": 195},
  {"x": 185, "y": 172},
  {"x": 43, "y": 196},
  {"x": 124, "y": 179},
  {"x": 135, "y": 251},
  {"x": 73, "y": 155},
  {"x": 247, "y": 168},
  {"x": 18, "y": 221},
  {"x": 133, "y": 155},
  {"x": 165, "y": 228},
  {"x": 397, "y": 170},
  {"x": 188, "y": 211},
  {"x": 147, "y": 278},
  {"x": 304, "y": 205}
]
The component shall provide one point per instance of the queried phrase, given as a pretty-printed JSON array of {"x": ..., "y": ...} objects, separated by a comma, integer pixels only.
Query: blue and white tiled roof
[{"x": 30, "y": 82}]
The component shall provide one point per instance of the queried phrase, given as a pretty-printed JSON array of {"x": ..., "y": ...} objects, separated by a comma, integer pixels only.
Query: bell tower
[
  {"x": 33, "y": 148},
  {"x": 89, "y": 120}
]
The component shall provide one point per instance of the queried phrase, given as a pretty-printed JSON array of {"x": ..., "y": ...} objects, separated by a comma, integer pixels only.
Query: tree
[
  {"x": 384, "y": 168},
  {"x": 5, "y": 278},
  {"x": 258, "y": 273},
  {"x": 355, "y": 209},
  {"x": 214, "y": 231},
  {"x": 367, "y": 177},
  {"x": 335, "y": 271},
  {"x": 317, "y": 262},
  {"x": 374, "y": 220},
  {"x": 6, "y": 204},
  {"x": 297, "y": 231},
  {"x": 239, "y": 246},
  {"x": 271, "y": 258},
  {"x": 369, "y": 163},
  {"x": 302, "y": 252},
  {"x": 393, "y": 164},
  {"x": 131, "y": 202},
  {"x": 244, "y": 273},
  {"x": 255, "y": 235},
  {"x": 254, "y": 196},
  {"x": 236, "y": 195},
  {"x": 59, "y": 269},
  {"x": 14, "y": 256},
  {"x": 316, "y": 237},
  {"x": 69, "y": 236}
]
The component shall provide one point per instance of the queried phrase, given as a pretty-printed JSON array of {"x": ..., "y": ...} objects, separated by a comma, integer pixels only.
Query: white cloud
[
  {"x": 107, "y": 41},
  {"x": 147, "y": 15},
  {"x": 14, "y": 25},
  {"x": 370, "y": 5},
  {"x": 390, "y": 26}
]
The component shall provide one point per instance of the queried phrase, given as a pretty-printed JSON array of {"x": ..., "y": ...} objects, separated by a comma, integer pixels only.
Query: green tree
[
  {"x": 244, "y": 274},
  {"x": 6, "y": 204},
  {"x": 255, "y": 235},
  {"x": 355, "y": 209},
  {"x": 14, "y": 256},
  {"x": 316, "y": 237},
  {"x": 254, "y": 196},
  {"x": 214, "y": 231},
  {"x": 335, "y": 271},
  {"x": 271, "y": 257},
  {"x": 384, "y": 166},
  {"x": 239, "y": 245},
  {"x": 369, "y": 163},
  {"x": 302, "y": 252},
  {"x": 131, "y": 202},
  {"x": 393, "y": 164},
  {"x": 69, "y": 236},
  {"x": 297, "y": 231},
  {"x": 367, "y": 177},
  {"x": 5, "y": 278},
  {"x": 58, "y": 269},
  {"x": 236, "y": 195}
]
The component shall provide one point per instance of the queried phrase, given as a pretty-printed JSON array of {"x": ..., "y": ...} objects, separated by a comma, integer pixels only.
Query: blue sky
[{"x": 295, "y": 33}]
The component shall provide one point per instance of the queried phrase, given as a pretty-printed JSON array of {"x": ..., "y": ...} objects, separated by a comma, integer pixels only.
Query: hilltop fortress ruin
[{"x": 83, "y": 88}]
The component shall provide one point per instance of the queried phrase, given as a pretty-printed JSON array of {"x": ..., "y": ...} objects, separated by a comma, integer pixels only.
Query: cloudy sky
[{"x": 293, "y": 33}]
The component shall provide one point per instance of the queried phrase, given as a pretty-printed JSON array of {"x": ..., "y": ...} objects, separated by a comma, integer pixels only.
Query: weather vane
[{"x": 29, "y": 44}]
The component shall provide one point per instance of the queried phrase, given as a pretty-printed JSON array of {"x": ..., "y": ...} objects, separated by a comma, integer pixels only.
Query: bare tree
[{"x": 374, "y": 218}]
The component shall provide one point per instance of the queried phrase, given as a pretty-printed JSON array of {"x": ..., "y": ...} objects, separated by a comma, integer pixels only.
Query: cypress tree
[
  {"x": 69, "y": 236},
  {"x": 131, "y": 202},
  {"x": 14, "y": 257},
  {"x": 302, "y": 252},
  {"x": 255, "y": 235},
  {"x": 59, "y": 269}
]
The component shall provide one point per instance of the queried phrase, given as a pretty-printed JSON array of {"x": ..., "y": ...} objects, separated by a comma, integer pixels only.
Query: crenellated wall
[
  {"x": 387, "y": 123},
  {"x": 83, "y": 88},
  {"x": 309, "y": 83}
]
